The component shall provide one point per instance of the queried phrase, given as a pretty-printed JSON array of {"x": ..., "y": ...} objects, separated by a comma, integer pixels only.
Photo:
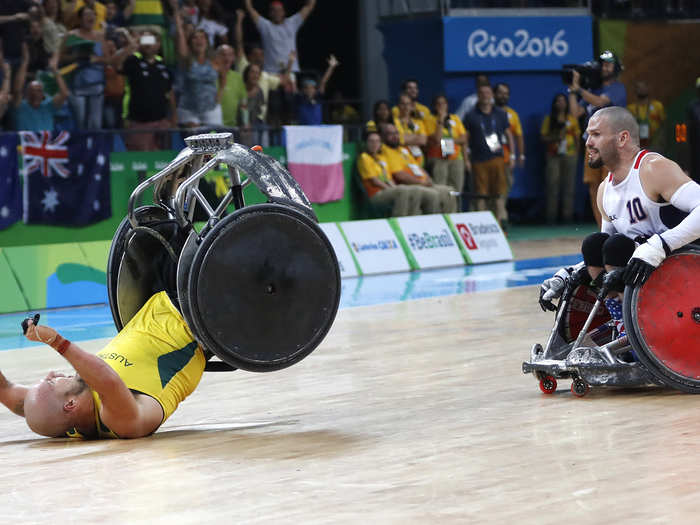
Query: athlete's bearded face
[{"x": 601, "y": 143}]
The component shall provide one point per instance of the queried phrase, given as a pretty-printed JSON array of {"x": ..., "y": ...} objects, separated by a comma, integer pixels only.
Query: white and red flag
[{"x": 315, "y": 160}]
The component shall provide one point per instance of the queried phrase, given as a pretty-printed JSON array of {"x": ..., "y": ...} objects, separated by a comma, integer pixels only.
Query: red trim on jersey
[
  {"x": 639, "y": 158},
  {"x": 610, "y": 176}
]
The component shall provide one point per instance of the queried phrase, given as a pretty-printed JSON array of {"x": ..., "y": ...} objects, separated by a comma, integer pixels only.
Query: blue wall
[{"x": 414, "y": 48}]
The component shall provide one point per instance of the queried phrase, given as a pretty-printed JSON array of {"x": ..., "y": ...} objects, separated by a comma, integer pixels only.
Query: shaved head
[
  {"x": 49, "y": 406},
  {"x": 620, "y": 119}
]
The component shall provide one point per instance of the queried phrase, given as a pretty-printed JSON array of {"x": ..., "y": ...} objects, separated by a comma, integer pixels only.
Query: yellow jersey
[
  {"x": 415, "y": 127},
  {"x": 401, "y": 159},
  {"x": 154, "y": 354}
]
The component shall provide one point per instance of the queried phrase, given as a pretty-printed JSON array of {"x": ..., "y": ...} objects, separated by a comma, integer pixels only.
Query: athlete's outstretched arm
[
  {"x": 12, "y": 396},
  {"x": 119, "y": 407}
]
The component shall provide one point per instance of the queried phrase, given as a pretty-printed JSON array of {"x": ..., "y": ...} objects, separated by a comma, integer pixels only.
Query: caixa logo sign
[
  {"x": 481, "y": 44},
  {"x": 466, "y": 236},
  {"x": 516, "y": 43}
]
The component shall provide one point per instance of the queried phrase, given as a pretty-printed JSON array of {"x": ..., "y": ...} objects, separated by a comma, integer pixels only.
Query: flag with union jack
[
  {"x": 10, "y": 192},
  {"x": 66, "y": 177}
]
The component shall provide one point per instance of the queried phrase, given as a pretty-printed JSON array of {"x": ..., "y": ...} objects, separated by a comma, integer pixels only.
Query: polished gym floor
[{"x": 414, "y": 409}]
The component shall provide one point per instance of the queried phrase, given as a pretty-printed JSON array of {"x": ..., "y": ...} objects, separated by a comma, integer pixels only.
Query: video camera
[{"x": 590, "y": 74}]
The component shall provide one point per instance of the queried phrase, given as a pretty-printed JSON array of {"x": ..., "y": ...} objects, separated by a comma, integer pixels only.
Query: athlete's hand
[
  {"x": 552, "y": 288},
  {"x": 645, "y": 259},
  {"x": 40, "y": 334}
]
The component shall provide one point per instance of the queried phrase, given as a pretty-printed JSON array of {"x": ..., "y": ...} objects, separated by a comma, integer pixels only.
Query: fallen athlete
[{"x": 127, "y": 390}]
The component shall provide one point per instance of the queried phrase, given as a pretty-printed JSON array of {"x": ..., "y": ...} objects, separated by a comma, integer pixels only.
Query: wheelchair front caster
[
  {"x": 548, "y": 384},
  {"x": 579, "y": 387}
]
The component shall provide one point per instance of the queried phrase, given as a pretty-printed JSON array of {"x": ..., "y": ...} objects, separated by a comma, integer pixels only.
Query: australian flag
[
  {"x": 66, "y": 177},
  {"x": 10, "y": 194}
]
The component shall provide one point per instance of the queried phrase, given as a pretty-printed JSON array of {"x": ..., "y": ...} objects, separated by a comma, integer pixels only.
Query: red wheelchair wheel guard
[
  {"x": 662, "y": 318},
  {"x": 578, "y": 310}
]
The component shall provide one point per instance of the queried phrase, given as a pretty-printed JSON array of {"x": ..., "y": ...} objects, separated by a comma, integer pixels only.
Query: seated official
[
  {"x": 404, "y": 168},
  {"x": 379, "y": 184}
]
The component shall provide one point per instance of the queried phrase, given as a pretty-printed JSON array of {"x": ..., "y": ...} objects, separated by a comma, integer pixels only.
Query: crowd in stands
[
  {"x": 417, "y": 157},
  {"x": 150, "y": 65}
]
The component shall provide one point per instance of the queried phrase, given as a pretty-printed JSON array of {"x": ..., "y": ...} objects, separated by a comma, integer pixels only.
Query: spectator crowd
[{"x": 147, "y": 65}]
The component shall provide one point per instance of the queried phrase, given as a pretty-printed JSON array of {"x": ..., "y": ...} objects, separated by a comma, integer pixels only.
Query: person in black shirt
[
  {"x": 152, "y": 100},
  {"x": 487, "y": 131},
  {"x": 14, "y": 24}
]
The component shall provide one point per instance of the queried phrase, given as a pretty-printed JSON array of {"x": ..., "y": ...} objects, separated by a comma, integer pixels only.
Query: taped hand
[
  {"x": 552, "y": 288},
  {"x": 645, "y": 259}
]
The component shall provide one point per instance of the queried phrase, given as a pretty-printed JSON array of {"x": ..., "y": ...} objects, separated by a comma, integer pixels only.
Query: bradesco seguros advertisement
[
  {"x": 347, "y": 265},
  {"x": 428, "y": 241},
  {"x": 479, "y": 236},
  {"x": 374, "y": 246}
]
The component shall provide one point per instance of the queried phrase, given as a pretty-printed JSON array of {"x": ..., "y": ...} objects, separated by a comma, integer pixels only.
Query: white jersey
[{"x": 629, "y": 209}]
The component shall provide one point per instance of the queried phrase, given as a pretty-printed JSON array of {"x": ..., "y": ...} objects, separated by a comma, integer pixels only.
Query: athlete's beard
[{"x": 611, "y": 160}]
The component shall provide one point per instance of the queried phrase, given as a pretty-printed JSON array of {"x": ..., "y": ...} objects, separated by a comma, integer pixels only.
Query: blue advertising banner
[{"x": 516, "y": 43}]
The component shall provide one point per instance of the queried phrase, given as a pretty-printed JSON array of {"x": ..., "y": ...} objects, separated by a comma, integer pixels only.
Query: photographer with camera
[{"x": 591, "y": 87}]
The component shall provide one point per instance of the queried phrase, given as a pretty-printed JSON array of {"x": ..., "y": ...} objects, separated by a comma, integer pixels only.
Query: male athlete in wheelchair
[{"x": 643, "y": 267}]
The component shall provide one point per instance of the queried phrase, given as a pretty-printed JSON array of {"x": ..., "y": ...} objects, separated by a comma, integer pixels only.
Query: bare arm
[
  {"x": 308, "y": 7},
  {"x": 120, "y": 411},
  {"x": 183, "y": 50},
  {"x": 254, "y": 15},
  {"x": 12, "y": 396},
  {"x": 129, "y": 9},
  {"x": 5, "y": 94},
  {"x": 21, "y": 76},
  {"x": 17, "y": 17},
  {"x": 661, "y": 177},
  {"x": 511, "y": 145},
  {"x": 332, "y": 64},
  {"x": 599, "y": 200},
  {"x": 238, "y": 32},
  {"x": 60, "y": 97}
]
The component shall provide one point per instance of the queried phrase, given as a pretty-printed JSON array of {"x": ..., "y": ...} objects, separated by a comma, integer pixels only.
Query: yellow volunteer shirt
[
  {"x": 652, "y": 114},
  {"x": 401, "y": 159},
  {"x": 416, "y": 127},
  {"x": 515, "y": 128},
  {"x": 371, "y": 168},
  {"x": 453, "y": 130},
  {"x": 573, "y": 132}
]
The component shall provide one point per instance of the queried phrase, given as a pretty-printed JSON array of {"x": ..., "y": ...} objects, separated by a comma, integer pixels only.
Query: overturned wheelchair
[
  {"x": 259, "y": 287},
  {"x": 662, "y": 342}
]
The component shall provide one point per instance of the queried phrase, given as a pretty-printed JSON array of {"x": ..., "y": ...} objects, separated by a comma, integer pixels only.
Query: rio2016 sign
[{"x": 516, "y": 43}]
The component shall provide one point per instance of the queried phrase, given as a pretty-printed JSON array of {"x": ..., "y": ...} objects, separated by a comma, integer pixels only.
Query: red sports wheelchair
[{"x": 662, "y": 345}]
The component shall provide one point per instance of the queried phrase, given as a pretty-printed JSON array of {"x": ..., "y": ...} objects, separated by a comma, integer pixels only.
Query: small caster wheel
[
  {"x": 548, "y": 384},
  {"x": 579, "y": 388}
]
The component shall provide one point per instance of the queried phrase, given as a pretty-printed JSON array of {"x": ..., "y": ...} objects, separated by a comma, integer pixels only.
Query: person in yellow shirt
[
  {"x": 560, "y": 133},
  {"x": 381, "y": 114},
  {"x": 381, "y": 189},
  {"x": 127, "y": 390},
  {"x": 446, "y": 140},
  {"x": 71, "y": 8},
  {"x": 404, "y": 169},
  {"x": 650, "y": 114},
  {"x": 418, "y": 111},
  {"x": 501, "y": 96},
  {"x": 411, "y": 131}
]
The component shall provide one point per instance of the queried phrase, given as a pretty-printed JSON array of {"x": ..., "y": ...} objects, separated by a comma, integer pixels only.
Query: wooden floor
[{"x": 414, "y": 412}]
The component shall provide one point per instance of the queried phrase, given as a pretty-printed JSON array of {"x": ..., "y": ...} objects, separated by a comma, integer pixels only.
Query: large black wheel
[
  {"x": 139, "y": 262},
  {"x": 263, "y": 288}
]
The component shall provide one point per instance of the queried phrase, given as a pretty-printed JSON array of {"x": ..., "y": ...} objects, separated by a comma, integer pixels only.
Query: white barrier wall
[
  {"x": 348, "y": 267},
  {"x": 421, "y": 242},
  {"x": 429, "y": 243},
  {"x": 480, "y": 237},
  {"x": 375, "y": 246}
]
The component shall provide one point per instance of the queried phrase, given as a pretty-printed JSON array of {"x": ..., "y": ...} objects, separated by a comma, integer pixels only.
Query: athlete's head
[
  {"x": 53, "y": 406},
  {"x": 276, "y": 12},
  {"x": 611, "y": 131}
]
